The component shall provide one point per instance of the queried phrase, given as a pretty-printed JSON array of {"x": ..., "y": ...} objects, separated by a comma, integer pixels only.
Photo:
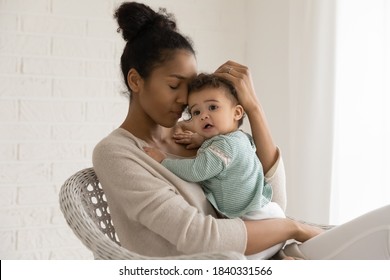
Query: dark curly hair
[{"x": 152, "y": 38}]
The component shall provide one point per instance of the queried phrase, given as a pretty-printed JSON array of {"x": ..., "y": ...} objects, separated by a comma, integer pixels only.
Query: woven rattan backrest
[
  {"x": 85, "y": 207},
  {"x": 95, "y": 204}
]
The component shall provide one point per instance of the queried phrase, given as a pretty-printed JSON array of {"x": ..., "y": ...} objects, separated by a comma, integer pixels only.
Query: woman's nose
[{"x": 182, "y": 97}]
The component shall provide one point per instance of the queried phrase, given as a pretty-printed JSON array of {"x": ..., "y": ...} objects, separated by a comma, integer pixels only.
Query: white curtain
[
  {"x": 323, "y": 76},
  {"x": 361, "y": 156},
  {"x": 311, "y": 77}
]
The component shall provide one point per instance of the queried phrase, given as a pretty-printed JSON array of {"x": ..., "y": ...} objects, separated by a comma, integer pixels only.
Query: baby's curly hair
[{"x": 204, "y": 80}]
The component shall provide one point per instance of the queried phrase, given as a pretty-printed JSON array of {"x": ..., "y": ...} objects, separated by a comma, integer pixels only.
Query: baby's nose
[{"x": 204, "y": 116}]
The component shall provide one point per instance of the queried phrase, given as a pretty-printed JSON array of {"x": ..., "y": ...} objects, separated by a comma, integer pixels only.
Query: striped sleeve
[{"x": 206, "y": 165}]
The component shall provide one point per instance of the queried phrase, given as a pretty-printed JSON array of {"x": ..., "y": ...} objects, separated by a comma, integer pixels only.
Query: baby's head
[{"x": 213, "y": 105}]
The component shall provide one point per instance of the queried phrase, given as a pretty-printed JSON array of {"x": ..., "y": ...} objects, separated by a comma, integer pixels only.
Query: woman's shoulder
[
  {"x": 119, "y": 137},
  {"x": 119, "y": 141}
]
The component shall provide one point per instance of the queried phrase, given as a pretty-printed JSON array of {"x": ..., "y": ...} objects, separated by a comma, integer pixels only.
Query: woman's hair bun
[{"x": 134, "y": 18}]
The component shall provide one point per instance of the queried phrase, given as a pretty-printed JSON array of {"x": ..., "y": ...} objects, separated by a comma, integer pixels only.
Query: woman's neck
[
  {"x": 143, "y": 128},
  {"x": 155, "y": 135}
]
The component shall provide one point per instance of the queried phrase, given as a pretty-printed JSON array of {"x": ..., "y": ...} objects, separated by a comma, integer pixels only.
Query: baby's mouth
[{"x": 207, "y": 126}]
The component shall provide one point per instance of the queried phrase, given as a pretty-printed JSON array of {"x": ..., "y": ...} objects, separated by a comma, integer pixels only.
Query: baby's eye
[
  {"x": 174, "y": 87},
  {"x": 213, "y": 107},
  {"x": 195, "y": 113}
]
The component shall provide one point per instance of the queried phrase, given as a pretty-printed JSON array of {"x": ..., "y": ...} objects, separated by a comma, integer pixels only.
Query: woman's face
[{"x": 163, "y": 95}]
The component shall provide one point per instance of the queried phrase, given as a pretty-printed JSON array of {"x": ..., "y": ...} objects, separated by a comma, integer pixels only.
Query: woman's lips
[{"x": 177, "y": 113}]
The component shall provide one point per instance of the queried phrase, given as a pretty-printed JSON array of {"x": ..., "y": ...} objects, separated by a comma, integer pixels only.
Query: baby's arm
[
  {"x": 155, "y": 154},
  {"x": 204, "y": 166}
]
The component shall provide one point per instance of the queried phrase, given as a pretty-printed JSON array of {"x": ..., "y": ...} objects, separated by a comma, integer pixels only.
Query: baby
[{"x": 226, "y": 164}]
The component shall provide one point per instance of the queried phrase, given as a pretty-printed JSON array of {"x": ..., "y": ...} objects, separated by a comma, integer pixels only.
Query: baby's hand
[
  {"x": 155, "y": 154},
  {"x": 190, "y": 139}
]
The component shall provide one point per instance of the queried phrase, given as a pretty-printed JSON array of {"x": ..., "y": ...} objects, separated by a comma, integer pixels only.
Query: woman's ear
[
  {"x": 134, "y": 80},
  {"x": 238, "y": 112}
]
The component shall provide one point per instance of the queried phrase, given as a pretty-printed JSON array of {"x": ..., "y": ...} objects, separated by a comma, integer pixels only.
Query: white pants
[
  {"x": 364, "y": 238},
  {"x": 269, "y": 211}
]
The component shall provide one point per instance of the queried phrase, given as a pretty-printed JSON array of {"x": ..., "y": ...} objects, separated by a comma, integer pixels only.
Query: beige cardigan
[{"x": 156, "y": 213}]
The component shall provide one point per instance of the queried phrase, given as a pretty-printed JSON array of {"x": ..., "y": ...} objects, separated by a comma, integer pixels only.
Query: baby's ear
[{"x": 238, "y": 112}]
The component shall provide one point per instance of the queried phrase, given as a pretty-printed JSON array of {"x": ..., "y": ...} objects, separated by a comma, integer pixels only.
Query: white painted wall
[{"x": 268, "y": 58}]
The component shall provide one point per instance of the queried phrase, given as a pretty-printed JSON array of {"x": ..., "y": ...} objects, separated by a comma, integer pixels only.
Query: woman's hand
[
  {"x": 155, "y": 154},
  {"x": 240, "y": 76},
  {"x": 306, "y": 232},
  {"x": 275, "y": 231}
]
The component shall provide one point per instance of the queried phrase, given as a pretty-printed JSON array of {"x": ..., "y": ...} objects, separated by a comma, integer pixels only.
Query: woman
[{"x": 155, "y": 213}]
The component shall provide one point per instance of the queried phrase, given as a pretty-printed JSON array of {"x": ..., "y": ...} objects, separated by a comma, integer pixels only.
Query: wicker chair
[{"x": 83, "y": 203}]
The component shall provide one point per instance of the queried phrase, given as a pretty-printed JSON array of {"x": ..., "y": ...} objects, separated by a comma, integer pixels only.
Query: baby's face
[{"x": 213, "y": 112}]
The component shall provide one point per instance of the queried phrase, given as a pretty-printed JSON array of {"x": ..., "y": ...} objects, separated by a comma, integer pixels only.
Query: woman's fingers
[
  {"x": 154, "y": 153},
  {"x": 231, "y": 65},
  {"x": 239, "y": 75},
  {"x": 233, "y": 71}
]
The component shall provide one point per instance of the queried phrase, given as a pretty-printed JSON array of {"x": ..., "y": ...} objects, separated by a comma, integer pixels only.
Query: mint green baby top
[{"x": 230, "y": 173}]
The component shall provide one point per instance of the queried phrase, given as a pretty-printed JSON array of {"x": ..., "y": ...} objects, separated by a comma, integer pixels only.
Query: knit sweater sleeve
[
  {"x": 146, "y": 195},
  {"x": 207, "y": 164}
]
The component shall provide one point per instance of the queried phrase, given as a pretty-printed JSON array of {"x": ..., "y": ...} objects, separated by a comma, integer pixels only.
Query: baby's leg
[{"x": 363, "y": 238}]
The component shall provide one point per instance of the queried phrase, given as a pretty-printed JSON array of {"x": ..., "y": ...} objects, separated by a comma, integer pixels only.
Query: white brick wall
[{"x": 60, "y": 93}]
